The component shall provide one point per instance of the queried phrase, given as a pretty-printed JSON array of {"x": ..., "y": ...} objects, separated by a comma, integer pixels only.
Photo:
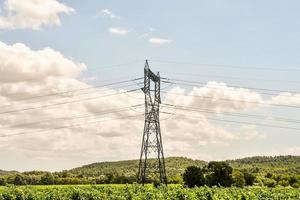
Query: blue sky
[
  {"x": 242, "y": 33},
  {"x": 248, "y": 35}
]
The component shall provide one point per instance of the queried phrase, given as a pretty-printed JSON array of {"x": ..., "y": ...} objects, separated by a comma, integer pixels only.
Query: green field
[{"x": 126, "y": 192}]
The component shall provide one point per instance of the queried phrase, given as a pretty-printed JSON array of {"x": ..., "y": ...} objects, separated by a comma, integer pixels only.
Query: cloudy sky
[{"x": 68, "y": 95}]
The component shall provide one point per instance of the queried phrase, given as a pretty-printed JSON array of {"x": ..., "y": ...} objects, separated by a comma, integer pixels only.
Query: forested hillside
[
  {"x": 175, "y": 165},
  {"x": 3, "y": 172},
  {"x": 269, "y": 171},
  {"x": 265, "y": 164}
]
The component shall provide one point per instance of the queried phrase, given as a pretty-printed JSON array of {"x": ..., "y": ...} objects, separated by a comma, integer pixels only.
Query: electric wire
[
  {"x": 231, "y": 99},
  {"x": 240, "y": 122},
  {"x": 229, "y": 77},
  {"x": 80, "y": 89},
  {"x": 65, "y": 97},
  {"x": 63, "y": 103},
  {"x": 223, "y": 66},
  {"x": 196, "y": 83},
  {"x": 103, "y": 112},
  {"x": 195, "y": 109},
  {"x": 63, "y": 127},
  {"x": 105, "y": 68}
]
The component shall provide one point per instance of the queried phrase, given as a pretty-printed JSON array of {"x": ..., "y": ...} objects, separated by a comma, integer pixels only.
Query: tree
[
  {"x": 2, "y": 181},
  {"x": 296, "y": 185},
  {"x": 19, "y": 180},
  {"x": 249, "y": 178},
  {"x": 283, "y": 183},
  {"x": 219, "y": 174},
  {"x": 64, "y": 174},
  {"x": 238, "y": 179},
  {"x": 269, "y": 175},
  {"x": 292, "y": 180},
  {"x": 177, "y": 179},
  {"x": 269, "y": 182},
  {"x": 193, "y": 176},
  {"x": 47, "y": 179},
  {"x": 109, "y": 178}
]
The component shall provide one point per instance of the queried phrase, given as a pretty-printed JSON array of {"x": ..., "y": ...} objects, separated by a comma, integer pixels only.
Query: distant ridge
[
  {"x": 177, "y": 165},
  {"x": 3, "y": 172}
]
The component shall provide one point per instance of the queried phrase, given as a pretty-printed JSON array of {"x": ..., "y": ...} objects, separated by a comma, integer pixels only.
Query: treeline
[
  {"x": 222, "y": 174},
  {"x": 267, "y": 159},
  {"x": 261, "y": 171},
  {"x": 64, "y": 178},
  {"x": 212, "y": 174}
]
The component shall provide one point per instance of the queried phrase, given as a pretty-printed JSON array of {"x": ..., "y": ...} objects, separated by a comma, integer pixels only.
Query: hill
[
  {"x": 174, "y": 165},
  {"x": 269, "y": 171},
  {"x": 177, "y": 165},
  {"x": 271, "y": 164},
  {"x": 3, "y": 172}
]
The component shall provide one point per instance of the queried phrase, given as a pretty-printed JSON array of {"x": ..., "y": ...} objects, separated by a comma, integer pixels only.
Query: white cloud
[
  {"x": 195, "y": 131},
  {"x": 157, "y": 40},
  {"x": 254, "y": 135},
  {"x": 32, "y": 14},
  {"x": 294, "y": 150},
  {"x": 118, "y": 31},
  {"x": 250, "y": 133},
  {"x": 25, "y": 73},
  {"x": 285, "y": 99},
  {"x": 19, "y": 62},
  {"x": 215, "y": 96},
  {"x": 108, "y": 13}
]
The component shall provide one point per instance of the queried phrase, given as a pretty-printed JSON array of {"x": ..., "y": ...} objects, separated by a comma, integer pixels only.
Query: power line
[
  {"x": 80, "y": 89},
  {"x": 63, "y": 127},
  {"x": 195, "y": 109},
  {"x": 62, "y": 103},
  {"x": 178, "y": 81},
  {"x": 65, "y": 97},
  {"x": 104, "y": 112},
  {"x": 223, "y": 66},
  {"x": 238, "y": 100},
  {"x": 239, "y": 122},
  {"x": 226, "y": 88},
  {"x": 230, "y": 77},
  {"x": 107, "y": 67}
]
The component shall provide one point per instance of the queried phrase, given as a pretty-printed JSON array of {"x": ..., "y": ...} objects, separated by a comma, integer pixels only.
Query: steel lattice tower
[{"x": 152, "y": 143}]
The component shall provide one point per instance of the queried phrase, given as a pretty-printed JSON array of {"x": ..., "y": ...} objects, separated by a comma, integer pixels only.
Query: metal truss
[{"x": 152, "y": 142}]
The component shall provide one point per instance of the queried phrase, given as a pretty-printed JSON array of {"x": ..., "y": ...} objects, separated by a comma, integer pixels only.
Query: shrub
[
  {"x": 269, "y": 182},
  {"x": 193, "y": 176},
  {"x": 219, "y": 174},
  {"x": 249, "y": 178},
  {"x": 238, "y": 179},
  {"x": 2, "y": 181}
]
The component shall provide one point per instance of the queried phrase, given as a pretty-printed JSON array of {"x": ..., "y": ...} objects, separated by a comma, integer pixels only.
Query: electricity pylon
[{"x": 152, "y": 143}]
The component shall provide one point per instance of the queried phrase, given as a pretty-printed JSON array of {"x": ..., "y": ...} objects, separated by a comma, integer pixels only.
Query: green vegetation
[
  {"x": 258, "y": 171},
  {"x": 249, "y": 178},
  {"x": 265, "y": 164},
  {"x": 193, "y": 176},
  {"x": 218, "y": 174},
  {"x": 174, "y": 165},
  {"x": 127, "y": 192}
]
